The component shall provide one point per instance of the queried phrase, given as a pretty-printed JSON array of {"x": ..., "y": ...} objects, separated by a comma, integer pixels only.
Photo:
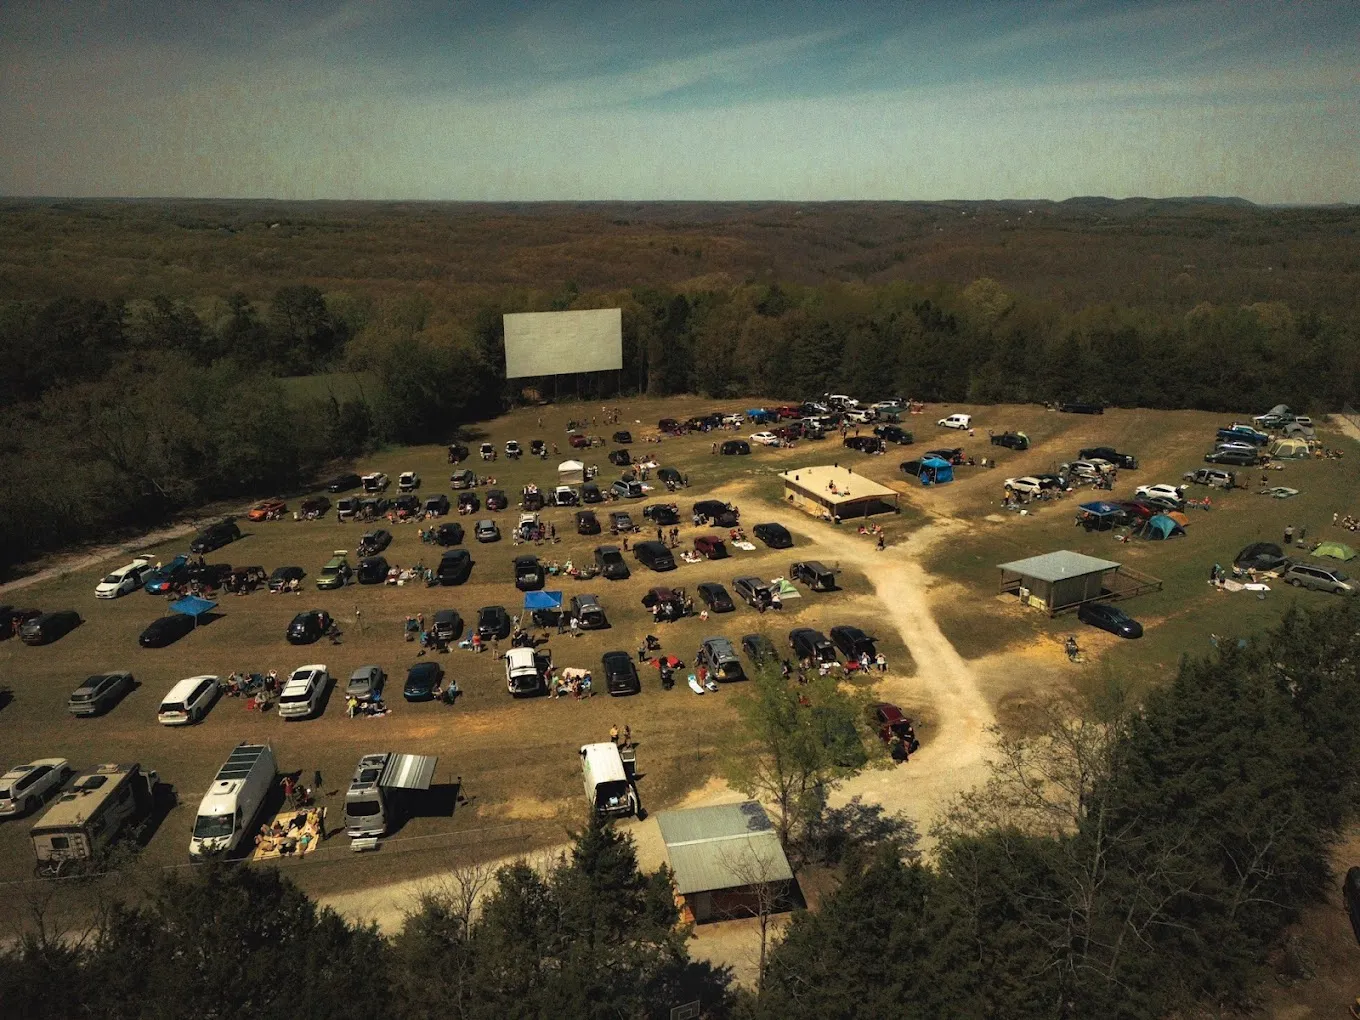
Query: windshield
[
  {"x": 113, "y": 578},
  {"x": 172, "y": 706},
  {"x": 4, "y": 793},
  {"x": 212, "y": 827},
  {"x": 329, "y": 571},
  {"x": 362, "y": 808},
  {"x": 294, "y": 698}
]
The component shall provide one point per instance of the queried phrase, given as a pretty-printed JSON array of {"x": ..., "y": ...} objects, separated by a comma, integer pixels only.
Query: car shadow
[{"x": 164, "y": 799}]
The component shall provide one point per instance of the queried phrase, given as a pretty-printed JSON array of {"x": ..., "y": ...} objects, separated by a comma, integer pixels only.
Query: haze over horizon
[{"x": 706, "y": 101}]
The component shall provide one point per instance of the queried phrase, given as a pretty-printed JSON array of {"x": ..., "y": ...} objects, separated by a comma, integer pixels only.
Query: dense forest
[
  {"x": 144, "y": 342},
  {"x": 1150, "y": 873}
]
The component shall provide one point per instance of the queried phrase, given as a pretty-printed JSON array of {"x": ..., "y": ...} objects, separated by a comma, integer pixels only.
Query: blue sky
[{"x": 412, "y": 99}]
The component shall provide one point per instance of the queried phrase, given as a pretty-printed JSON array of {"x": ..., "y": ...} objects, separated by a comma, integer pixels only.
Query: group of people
[
  {"x": 1346, "y": 521},
  {"x": 569, "y": 683},
  {"x": 370, "y": 708},
  {"x": 293, "y": 837}
]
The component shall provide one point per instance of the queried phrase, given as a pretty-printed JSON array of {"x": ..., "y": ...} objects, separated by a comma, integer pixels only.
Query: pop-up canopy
[
  {"x": 542, "y": 600},
  {"x": 192, "y": 605}
]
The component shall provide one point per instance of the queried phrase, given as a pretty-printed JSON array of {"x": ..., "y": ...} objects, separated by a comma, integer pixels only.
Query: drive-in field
[{"x": 958, "y": 657}]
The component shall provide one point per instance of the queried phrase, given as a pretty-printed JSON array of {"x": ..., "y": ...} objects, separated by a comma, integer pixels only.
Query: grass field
[
  {"x": 517, "y": 759},
  {"x": 341, "y": 386}
]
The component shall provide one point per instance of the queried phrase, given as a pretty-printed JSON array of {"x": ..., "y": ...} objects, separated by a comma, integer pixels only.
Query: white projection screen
[{"x": 562, "y": 343}]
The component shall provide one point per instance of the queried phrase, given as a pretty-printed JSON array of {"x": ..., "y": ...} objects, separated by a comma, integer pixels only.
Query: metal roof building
[
  {"x": 1063, "y": 580},
  {"x": 725, "y": 859}
]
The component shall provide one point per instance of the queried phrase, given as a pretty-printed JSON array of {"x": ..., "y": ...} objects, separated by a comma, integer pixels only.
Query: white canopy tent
[{"x": 571, "y": 472}]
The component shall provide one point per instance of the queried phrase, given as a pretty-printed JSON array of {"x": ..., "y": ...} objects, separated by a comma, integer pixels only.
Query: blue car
[
  {"x": 421, "y": 680},
  {"x": 168, "y": 577}
]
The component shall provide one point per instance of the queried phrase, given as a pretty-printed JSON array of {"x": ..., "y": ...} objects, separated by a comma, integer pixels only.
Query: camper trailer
[
  {"x": 100, "y": 805},
  {"x": 608, "y": 789},
  {"x": 227, "y": 812},
  {"x": 372, "y": 801}
]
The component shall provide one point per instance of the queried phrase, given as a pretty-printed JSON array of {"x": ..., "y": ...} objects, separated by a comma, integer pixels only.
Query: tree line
[
  {"x": 117, "y": 414},
  {"x": 1125, "y": 860}
]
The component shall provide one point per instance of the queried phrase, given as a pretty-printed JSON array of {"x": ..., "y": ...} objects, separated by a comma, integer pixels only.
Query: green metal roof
[
  {"x": 722, "y": 847},
  {"x": 1058, "y": 566}
]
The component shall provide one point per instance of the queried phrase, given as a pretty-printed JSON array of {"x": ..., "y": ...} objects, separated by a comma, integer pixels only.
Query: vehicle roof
[
  {"x": 446, "y": 614},
  {"x": 19, "y": 771},
  {"x": 615, "y": 657},
  {"x": 364, "y": 672},
  {"x": 421, "y": 668},
  {"x": 523, "y": 561},
  {"x": 711, "y": 585},
  {"x": 521, "y": 657},
  {"x": 586, "y": 600},
  {"x": 849, "y": 629},
  {"x": 606, "y": 548},
  {"x": 186, "y": 686},
  {"x": 653, "y": 544}
]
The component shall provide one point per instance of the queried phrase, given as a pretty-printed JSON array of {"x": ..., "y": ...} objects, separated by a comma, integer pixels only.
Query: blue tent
[
  {"x": 1100, "y": 515},
  {"x": 760, "y": 415},
  {"x": 1102, "y": 508},
  {"x": 1160, "y": 526},
  {"x": 935, "y": 471},
  {"x": 192, "y": 605},
  {"x": 542, "y": 600}
]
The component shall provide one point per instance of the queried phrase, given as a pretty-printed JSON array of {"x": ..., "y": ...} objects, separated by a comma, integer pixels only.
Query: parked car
[
  {"x": 408, "y": 481},
  {"x": 126, "y": 578},
  {"x": 775, "y": 536},
  {"x": 814, "y": 574},
  {"x": 374, "y": 507},
  {"x": 1237, "y": 458},
  {"x": 626, "y": 488},
  {"x": 25, "y": 788},
  {"x": 715, "y": 596},
  {"x": 347, "y": 508},
  {"x": 735, "y": 448},
  {"x": 215, "y": 536},
  {"x": 764, "y": 438},
  {"x": 721, "y": 659},
  {"x": 710, "y": 547},
  {"x": 662, "y": 514},
  {"x": 343, "y": 483},
  {"x": 669, "y": 476},
  {"x": 163, "y": 579},
  {"x": 493, "y": 622},
  {"x": 529, "y": 573},
  {"x": 421, "y": 681},
  {"x": 587, "y": 523},
  {"x": 438, "y": 504},
  {"x": 811, "y": 645},
  {"x": 447, "y": 625},
  {"x": 1319, "y": 578},
  {"x": 366, "y": 683},
  {"x": 1111, "y": 618},
  {"x": 620, "y": 673},
  {"x": 513, "y": 450},
  {"x": 374, "y": 542},
  {"x": 590, "y": 493},
  {"x": 375, "y": 482},
  {"x": 621, "y": 523},
  {"x": 1071, "y": 407},
  {"x": 753, "y": 591},
  {"x": 282, "y": 578},
  {"x": 1120, "y": 460},
  {"x": 407, "y": 504},
  {"x": 166, "y": 630},
  {"x": 894, "y": 434},
  {"x": 302, "y": 692},
  {"x": 852, "y": 642},
  {"x": 1262, "y": 556},
  {"x": 949, "y": 455},
  {"x": 463, "y": 479},
  {"x": 893, "y": 726},
  {"x": 588, "y": 612},
  {"x": 623, "y": 437},
  {"x": 717, "y": 513},
  {"x": 45, "y": 628},
  {"x": 1212, "y": 477},
  {"x": 654, "y": 555},
  {"x": 956, "y": 421},
  {"x": 1025, "y": 483},
  {"x": 759, "y": 649},
  {"x": 454, "y": 567},
  {"x": 373, "y": 570},
  {"x": 1161, "y": 491},
  {"x": 1244, "y": 433},
  {"x": 1011, "y": 440},
  {"x": 308, "y": 627},
  {"x": 611, "y": 563},
  {"x": 620, "y": 458},
  {"x": 449, "y": 533},
  {"x": 267, "y": 510},
  {"x": 468, "y": 503},
  {"x": 578, "y": 441},
  {"x": 486, "y": 530},
  {"x": 314, "y": 507},
  {"x": 99, "y": 693},
  {"x": 864, "y": 444},
  {"x": 188, "y": 701}
]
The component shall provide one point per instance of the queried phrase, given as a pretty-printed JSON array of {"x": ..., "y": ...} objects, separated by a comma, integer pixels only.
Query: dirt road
[{"x": 100, "y": 554}]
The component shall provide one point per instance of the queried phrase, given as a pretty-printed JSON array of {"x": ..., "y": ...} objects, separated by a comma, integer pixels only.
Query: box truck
[
  {"x": 608, "y": 789},
  {"x": 373, "y": 801},
  {"x": 227, "y": 812}
]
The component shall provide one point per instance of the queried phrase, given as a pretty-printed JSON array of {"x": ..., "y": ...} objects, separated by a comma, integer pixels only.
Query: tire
[{"x": 1296, "y": 582}]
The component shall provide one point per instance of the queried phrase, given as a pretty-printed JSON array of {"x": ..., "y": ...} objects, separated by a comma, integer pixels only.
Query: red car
[
  {"x": 788, "y": 411},
  {"x": 711, "y": 547},
  {"x": 888, "y": 722},
  {"x": 578, "y": 441}
]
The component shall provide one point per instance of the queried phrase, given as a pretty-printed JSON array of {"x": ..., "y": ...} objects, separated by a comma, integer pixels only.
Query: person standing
[
  {"x": 881, "y": 661},
  {"x": 1289, "y": 534},
  {"x": 627, "y": 735},
  {"x": 614, "y": 734},
  {"x": 881, "y": 545}
]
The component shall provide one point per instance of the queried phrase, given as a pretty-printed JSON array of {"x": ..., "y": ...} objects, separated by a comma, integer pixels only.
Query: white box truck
[
  {"x": 373, "y": 800},
  {"x": 608, "y": 789},
  {"x": 226, "y": 815}
]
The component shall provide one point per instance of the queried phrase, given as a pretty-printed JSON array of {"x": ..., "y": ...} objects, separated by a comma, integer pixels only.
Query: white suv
[
  {"x": 302, "y": 693},
  {"x": 24, "y": 788},
  {"x": 956, "y": 421},
  {"x": 123, "y": 580},
  {"x": 1028, "y": 484}
]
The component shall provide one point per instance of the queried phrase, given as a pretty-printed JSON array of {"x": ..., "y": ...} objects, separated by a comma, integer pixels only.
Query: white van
[
  {"x": 373, "y": 800},
  {"x": 608, "y": 790},
  {"x": 956, "y": 421},
  {"x": 123, "y": 580},
  {"x": 188, "y": 701},
  {"x": 522, "y": 675},
  {"x": 226, "y": 815}
]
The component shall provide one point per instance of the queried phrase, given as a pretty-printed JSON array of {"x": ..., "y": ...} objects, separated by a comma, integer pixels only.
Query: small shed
[
  {"x": 837, "y": 492},
  {"x": 727, "y": 861},
  {"x": 1058, "y": 580},
  {"x": 571, "y": 472}
]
